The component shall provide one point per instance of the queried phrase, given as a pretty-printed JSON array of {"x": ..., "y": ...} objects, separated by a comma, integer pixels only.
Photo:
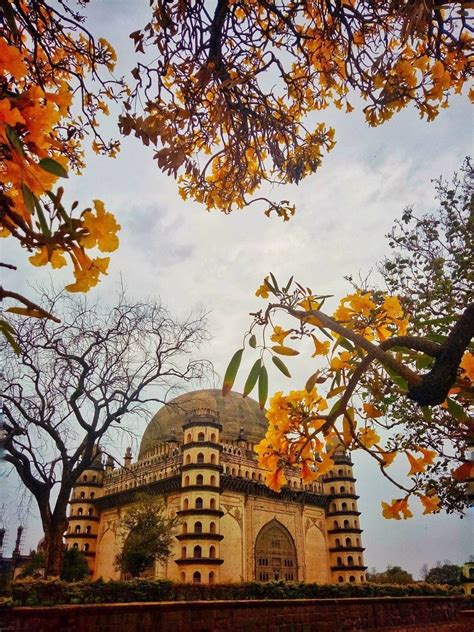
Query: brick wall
[{"x": 396, "y": 614}]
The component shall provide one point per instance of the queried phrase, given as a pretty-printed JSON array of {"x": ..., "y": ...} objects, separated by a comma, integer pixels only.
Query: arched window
[
  {"x": 234, "y": 471},
  {"x": 332, "y": 490},
  {"x": 88, "y": 529},
  {"x": 188, "y": 459},
  {"x": 200, "y": 457},
  {"x": 253, "y": 476},
  {"x": 77, "y": 529},
  {"x": 198, "y": 527},
  {"x": 342, "y": 490},
  {"x": 189, "y": 438},
  {"x": 227, "y": 470},
  {"x": 260, "y": 477},
  {"x": 212, "y": 527},
  {"x": 75, "y": 545},
  {"x": 213, "y": 437},
  {"x": 339, "y": 561},
  {"x": 348, "y": 542},
  {"x": 79, "y": 511},
  {"x": 361, "y": 578},
  {"x": 352, "y": 578},
  {"x": 183, "y": 552},
  {"x": 201, "y": 436},
  {"x": 213, "y": 480},
  {"x": 197, "y": 551},
  {"x": 199, "y": 503},
  {"x": 340, "y": 579},
  {"x": 185, "y": 503},
  {"x": 184, "y": 528},
  {"x": 213, "y": 503},
  {"x": 336, "y": 524},
  {"x": 275, "y": 554},
  {"x": 90, "y": 512},
  {"x": 340, "y": 472},
  {"x": 212, "y": 552},
  {"x": 186, "y": 481},
  {"x": 346, "y": 524},
  {"x": 247, "y": 475},
  {"x": 85, "y": 548},
  {"x": 344, "y": 506},
  {"x": 350, "y": 560},
  {"x": 83, "y": 494},
  {"x": 84, "y": 478},
  {"x": 338, "y": 542},
  {"x": 94, "y": 479},
  {"x": 212, "y": 577},
  {"x": 199, "y": 479},
  {"x": 183, "y": 576},
  {"x": 92, "y": 494},
  {"x": 333, "y": 507},
  {"x": 213, "y": 459},
  {"x": 196, "y": 577}
]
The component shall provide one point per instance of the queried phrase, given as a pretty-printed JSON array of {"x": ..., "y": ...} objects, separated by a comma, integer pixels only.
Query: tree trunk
[{"x": 54, "y": 547}]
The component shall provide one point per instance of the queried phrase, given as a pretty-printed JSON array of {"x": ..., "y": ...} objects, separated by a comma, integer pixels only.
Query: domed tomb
[{"x": 235, "y": 413}]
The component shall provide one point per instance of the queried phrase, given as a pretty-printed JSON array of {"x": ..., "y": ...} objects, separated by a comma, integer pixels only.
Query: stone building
[{"x": 197, "y": 454}]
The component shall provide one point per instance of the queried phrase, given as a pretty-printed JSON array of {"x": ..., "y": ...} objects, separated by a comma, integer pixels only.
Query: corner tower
[
  {"x": 83, "y": 519},
  {"x": 200, "y": 511},
  {"x": 342, "y": 522}
]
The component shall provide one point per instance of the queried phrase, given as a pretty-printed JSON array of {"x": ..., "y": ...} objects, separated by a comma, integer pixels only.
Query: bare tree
[{"x": 74, "y": 382}]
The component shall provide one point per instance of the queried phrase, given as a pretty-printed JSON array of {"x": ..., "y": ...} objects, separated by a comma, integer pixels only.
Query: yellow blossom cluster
[{"x": 35, "y": 154}]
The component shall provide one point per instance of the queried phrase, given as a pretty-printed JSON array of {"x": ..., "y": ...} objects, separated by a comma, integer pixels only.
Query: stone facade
[{"x": 197, "y": 454}]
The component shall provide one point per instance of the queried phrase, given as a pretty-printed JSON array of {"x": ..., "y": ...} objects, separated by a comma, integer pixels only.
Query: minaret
[
  {"x": 83, "y": 520},
  {"x": 200, "y": 512},
  {"x": 342, "y": 522}
]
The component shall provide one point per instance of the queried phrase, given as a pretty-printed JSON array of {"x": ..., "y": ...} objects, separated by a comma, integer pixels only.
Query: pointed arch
[{"x": 275, "y": 553}]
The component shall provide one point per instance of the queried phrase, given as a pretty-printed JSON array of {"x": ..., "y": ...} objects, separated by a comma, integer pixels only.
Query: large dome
[{"x": 235, "y": 412}]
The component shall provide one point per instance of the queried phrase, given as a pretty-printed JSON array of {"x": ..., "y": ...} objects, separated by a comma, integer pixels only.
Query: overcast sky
[{"x": 194, "y": 260}]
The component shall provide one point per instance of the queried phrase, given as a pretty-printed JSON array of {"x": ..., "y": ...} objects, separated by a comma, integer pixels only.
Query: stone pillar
[
  {"x": 200, "y": 512},
  {"x": 83, "y": 519},
  {"x": 342, "y": 522}
]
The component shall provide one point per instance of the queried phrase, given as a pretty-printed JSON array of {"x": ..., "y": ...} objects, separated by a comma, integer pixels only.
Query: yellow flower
[
  {"x": 275, "y": 480},
  {"x": 342, "y": 361},
  {"x": 102, "y": 228},
  {"x": 430, "y": 503},
  {"x": 279, "y": 335},
  {"x": 372, "y": 412},
  {"x": 368, "y": 437},
  {"x": 41, "y": 257},
  {"x": 320, "y": 348},
  {"x": 263, "y": 290},
  {"x": 392, "y": 307},
  {"x": 417, "y": 465},
  {"x": 467, "y": 366},
  {"x": 398, "y": 506},
  {"x": 325, "y": 463},
  {"x": 388, "y": 457},
  {"x": 361, "y": 303}
]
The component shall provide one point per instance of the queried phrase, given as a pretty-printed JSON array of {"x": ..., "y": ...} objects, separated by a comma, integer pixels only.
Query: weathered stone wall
[{"x": 396, "y": 614}]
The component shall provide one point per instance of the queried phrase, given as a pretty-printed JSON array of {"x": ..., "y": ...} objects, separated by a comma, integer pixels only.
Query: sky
[{"x": 196, "y": 260}]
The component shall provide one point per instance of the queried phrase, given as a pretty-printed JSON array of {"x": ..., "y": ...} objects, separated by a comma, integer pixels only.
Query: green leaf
[
  {"x": 426, "y": 410},
  {"x": 281, "y": 365},
  {"x": 456, "y": 410},
  {"x": 312, "y": 381},
  {"x": 9, "y": 16},
  {"x": 343, "y": 342},
  {"x": 252, "y": 377},
  {"x": 397, "y": 379},
  {"x": 26, "y": 311},
  {"x": 286, "y": 351},
  {"x": 231, "y": 372},
  {"x": 253, "y": 341},
  {"x": 6, "y": 329},
  {"x": 334, "y": 408},
  {"x": 29, "y": 199},
  {"x": 41, "y": 218},
  {"x": 274, "y": 281},
  {"x": 288, "y": 285},
  {"x": 436, "y": 337},
  {"x": 52, "y": 166},
  {"x": 14, "y": 139},
  {"x": 262, "y": 386}
]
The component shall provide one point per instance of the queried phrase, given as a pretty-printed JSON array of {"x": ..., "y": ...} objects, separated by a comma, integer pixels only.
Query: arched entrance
[{"x": 275, "y": 554}]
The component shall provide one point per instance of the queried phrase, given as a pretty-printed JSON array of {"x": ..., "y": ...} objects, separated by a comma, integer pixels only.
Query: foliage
[
  {"x": 34, "y": 567},
  {"x": 393, "y": 575},
  {"x": 73, "y": 385},
  {"x": 54, "y": 591},
  {"x": 75, "y": 567},
  {"x": 444, "y": 573},
  {"x": 149, "y": 536},
  {"x": 229, "y": 86},
  {"x": 52, "y": 88},
  {"x": 386, "y": 367}
]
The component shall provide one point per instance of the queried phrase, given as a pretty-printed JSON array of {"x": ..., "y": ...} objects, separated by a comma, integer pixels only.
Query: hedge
[{"x": 31, "y": 592}]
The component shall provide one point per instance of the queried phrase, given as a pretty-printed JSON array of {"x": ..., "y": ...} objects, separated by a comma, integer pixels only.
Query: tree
[
  {"x": 75, "y": 566},
  {"x": 379, "y": 374},
  {"x": 444, "y": 573},
  {"x": 393, "y": 575},
  {"x": 52, "y": 89},
  {"x": 149, "y": 536},
  {"x": 34, "y": 567},
  {"x": 229, "y": 86},
  {"x": 74, "y": 384}
]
